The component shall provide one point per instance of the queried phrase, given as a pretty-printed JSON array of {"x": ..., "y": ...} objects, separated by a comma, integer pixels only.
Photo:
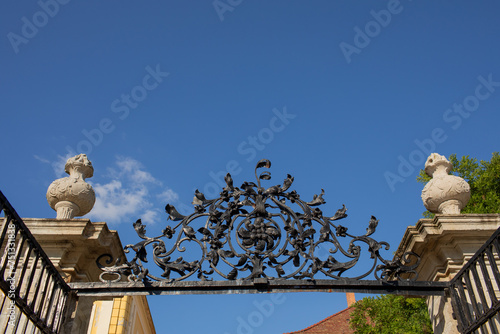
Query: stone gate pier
[{"x": 447, "y": 242}]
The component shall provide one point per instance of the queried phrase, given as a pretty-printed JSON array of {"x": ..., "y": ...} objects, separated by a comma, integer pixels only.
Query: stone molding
[
  {"x": 73, "y": 245},
  {"x": 447, "y": 242}
]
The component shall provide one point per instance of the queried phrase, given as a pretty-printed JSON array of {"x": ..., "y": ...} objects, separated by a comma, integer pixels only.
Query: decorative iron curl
[
  {"x": 127, "y": 269},
  {"x": 400, "y": 268},
  {"x": 254, "y": 232}
]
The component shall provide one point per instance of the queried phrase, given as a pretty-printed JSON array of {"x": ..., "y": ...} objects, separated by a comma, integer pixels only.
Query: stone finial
[
  {"x": 446, "y": 194},
  {"x": 72, "y": 196}
]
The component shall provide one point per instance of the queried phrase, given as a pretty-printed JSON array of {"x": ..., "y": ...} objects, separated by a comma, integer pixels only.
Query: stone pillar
[
  {"x": 73, "y": 246},
  {"x": 448, "y": 241},
  {"x": 445, "y": 244}
]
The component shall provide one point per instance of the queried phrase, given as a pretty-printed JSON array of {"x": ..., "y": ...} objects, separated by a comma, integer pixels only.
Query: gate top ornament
[{"x": 250, "y": 229}]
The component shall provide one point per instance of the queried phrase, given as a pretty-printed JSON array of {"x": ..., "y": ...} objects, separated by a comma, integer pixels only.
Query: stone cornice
[
  {"x": 446, "y": 242},
  {"x": 73, "y": 245}
]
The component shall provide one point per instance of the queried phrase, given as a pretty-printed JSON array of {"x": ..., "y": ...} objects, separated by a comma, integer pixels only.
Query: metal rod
[
  {"x": 487, "y": 280},
  {"x": 463, "y": 300},
  {"x": 479, "y": 287},
  {"x": 249, "y": 286}
]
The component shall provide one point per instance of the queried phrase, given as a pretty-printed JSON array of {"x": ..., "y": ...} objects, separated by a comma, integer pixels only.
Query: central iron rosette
[
  {"x": 260, "y": 234},
  {"x": 254, "y": 232}
]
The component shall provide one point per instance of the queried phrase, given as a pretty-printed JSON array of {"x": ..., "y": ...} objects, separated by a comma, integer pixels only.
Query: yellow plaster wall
[
  {"x": 120, "y": 315},
  {"x": 129, "y": 314},
  {"x": 100, "y": 317}
]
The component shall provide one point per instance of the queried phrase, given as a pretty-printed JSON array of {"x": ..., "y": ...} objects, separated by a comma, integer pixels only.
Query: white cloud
[
  {"x": 45, "y": 161},
  {"x": 150, "y": 217},
  {"x": 59, "y": 163},
  {"x": 129, "y": 194},
  {"x": 133, "y": 170},
  {"x": 168, "y": 196},
  {"x": 114, "y": 203}
]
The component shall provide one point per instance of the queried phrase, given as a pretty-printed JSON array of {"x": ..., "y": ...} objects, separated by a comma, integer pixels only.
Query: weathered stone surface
[
  {"x": 71, "y": 196},
  {"x": 74, "y": 245},
  {"x": 446, "y": 194},
  {"x": 445, "y": 244}
]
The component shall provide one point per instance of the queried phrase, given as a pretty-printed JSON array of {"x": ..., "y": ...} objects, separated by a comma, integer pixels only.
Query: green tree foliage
[
  {"x": 390, "y": 314},
  {"x": 483, "y": 178}
]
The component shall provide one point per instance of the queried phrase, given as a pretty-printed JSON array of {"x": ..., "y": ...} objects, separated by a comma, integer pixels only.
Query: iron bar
[
  {"x": 31, "y": 276},
  {"x": 33, "y": 303},
  {"x": 258, "y": 286},
  {"x": 487, "y": 279},
  {"x": 494, "y": 268},
  {"x": 478, "y": 285},
  {"x": 47, "y": 307},
  {"x": 459, "y": 312},
  {"x": 26, "y": 263}
]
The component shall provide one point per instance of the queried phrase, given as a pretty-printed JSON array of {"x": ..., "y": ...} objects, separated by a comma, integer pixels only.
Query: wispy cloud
[
  {"x": 57, "y": 165},
  {"x": 168, "y": 196},
  {"x": 129, "y": 194},
  {"x": 45, "y": 161}
]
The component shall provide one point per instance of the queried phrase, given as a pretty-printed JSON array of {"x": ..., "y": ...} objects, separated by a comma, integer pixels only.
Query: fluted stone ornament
[
  {"x": 71, "y": 196},
  {"x": 446, "y": 194}
]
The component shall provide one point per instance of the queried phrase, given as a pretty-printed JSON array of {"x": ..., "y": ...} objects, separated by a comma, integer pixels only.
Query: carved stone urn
[
  {"x": 71, "y": 196},
  {"x": 446, "y": 194}
]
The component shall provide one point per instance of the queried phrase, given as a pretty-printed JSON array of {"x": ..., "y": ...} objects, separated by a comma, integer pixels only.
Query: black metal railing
[
  {"x": 34, "y": 295},
  {"x": 475, "y": 290}
]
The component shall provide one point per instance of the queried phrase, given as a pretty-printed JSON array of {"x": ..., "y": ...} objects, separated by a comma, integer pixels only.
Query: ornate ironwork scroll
[{"x": 253, "y": 233}]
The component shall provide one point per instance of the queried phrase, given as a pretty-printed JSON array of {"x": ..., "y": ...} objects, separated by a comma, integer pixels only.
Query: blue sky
[{"x": 164, "y": 97}]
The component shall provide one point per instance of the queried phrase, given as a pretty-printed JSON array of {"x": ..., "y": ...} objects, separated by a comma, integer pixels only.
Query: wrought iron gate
[
  {"x": 249, "y": 240},
  {"x": 254, "y": 239}
]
